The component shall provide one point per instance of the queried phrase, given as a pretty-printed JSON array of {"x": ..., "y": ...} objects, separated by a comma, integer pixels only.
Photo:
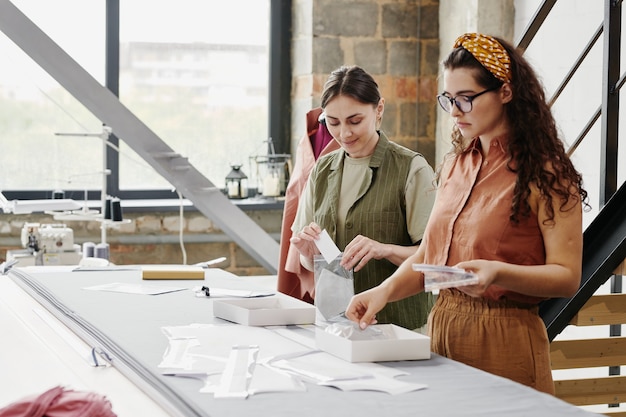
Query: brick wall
[{"x": 396, "y": 41}]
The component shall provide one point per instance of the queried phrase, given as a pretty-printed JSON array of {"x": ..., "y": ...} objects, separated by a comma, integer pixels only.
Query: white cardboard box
[
  {"x": 275, "y": 310},
  {"x": 402, "y": 345}
]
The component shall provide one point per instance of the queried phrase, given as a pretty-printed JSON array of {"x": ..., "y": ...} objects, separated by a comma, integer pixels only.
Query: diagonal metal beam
[
  {"x": 175, "y": 168},
  {"x": 535, "y": 23}
]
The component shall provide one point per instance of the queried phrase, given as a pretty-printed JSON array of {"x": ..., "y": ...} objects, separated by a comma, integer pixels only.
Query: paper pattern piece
[
  {"x": 238, "y": 372},
  {"x": 327, "y": 247},
  {"x": 238, "y": 361},
  {"x": 135, "y": 288},
  {"x": 376, "y": 383},
  {"x": 111, "y": 268}
]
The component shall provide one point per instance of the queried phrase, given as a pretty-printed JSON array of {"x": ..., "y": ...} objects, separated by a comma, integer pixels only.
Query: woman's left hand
[
  {"x": 486, "y": 271},
  {"x": 360, "y": 251}
]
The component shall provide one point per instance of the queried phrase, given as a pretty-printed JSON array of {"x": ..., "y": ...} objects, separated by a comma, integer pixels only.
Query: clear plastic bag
[
  {"x": 334, "y": 287},
  {"x": 350, "y": 330},
  {"x": 439, "y": 277}
]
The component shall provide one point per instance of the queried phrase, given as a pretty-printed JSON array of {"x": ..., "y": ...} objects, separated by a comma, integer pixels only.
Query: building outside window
[{"x": 195, "y": 72}]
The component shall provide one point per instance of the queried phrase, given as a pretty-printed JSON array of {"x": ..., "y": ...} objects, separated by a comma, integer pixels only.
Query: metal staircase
[
  {"x": 604, "y": 249},
  {"x": 604, "y": 242}
]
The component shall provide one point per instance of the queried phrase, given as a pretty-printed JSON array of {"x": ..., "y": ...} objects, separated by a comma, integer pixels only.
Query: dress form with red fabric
[{"x": 293, "y": 279}]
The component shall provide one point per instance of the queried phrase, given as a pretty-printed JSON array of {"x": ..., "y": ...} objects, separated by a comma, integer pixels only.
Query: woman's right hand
[
  {"x": 305, "y": 239},
  {"x": 364, "y": 306}
]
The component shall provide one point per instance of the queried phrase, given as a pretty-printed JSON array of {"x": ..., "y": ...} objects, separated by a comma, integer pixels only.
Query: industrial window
[{"x": 195, "y": 72}]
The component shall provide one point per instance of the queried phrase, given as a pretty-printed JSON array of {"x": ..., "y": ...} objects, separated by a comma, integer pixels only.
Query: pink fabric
[
  {"x": 294, "y": 280},
  {"x": 59, "y": 402},
  {"x": 319, "y": 141}
]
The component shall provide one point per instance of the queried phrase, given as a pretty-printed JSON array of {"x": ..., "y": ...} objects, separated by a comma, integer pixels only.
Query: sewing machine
[{"x": 46, "y": 244}]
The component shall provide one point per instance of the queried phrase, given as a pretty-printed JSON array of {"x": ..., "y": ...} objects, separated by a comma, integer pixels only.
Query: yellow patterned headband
[{"x": 489, "y": 52}]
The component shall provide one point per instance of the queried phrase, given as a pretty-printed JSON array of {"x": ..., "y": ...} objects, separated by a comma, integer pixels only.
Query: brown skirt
[{"x": 501, "y": 337}]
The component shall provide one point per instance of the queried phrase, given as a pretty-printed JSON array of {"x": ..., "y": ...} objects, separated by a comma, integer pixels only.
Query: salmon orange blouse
[{"x": 470, "y": 219}]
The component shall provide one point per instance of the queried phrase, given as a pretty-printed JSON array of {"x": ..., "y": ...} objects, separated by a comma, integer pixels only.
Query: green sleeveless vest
[{"x": 378, "y": 213}]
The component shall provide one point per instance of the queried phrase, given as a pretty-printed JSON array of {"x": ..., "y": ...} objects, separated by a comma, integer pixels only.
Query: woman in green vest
[{"x": 372, "y": 196}]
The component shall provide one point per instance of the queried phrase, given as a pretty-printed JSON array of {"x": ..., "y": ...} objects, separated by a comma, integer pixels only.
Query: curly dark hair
[{"x": 536, "y": 153}]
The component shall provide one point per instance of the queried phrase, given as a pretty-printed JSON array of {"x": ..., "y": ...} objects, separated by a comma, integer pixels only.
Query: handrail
[{"x": 535, "y": 23}]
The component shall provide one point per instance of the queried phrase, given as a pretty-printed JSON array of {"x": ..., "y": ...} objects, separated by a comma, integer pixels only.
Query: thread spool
[
  {"x": 101, "y": 251},
  {"x": 116, "y": 210},
  {"x": 88, "y": 249},
  {"x": 107, "y": 209}
]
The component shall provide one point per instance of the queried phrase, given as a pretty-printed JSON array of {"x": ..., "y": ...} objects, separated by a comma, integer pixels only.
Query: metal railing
[{"x": 605, "y": 238}]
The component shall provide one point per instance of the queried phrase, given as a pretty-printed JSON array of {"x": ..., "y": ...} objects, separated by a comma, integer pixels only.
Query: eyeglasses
[{"x": 462, "y": 102}]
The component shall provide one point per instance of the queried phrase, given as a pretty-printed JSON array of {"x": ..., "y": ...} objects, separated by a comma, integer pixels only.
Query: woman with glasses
[
  {"x": 372, "y": 196},
  {"x": 508, "y": 209}
]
